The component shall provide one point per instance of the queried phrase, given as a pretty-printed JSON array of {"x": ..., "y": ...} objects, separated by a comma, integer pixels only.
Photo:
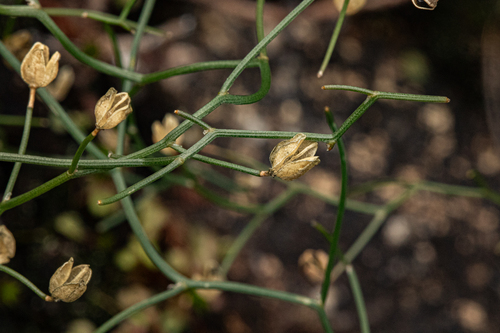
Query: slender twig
[
  {"x": 333, "y": 40},
  {"x": 358, "y": 299},
  {"x": 27, "y": 282},
  {"x": 340, "y": 210},
  {"x": 22, "y": 146}
]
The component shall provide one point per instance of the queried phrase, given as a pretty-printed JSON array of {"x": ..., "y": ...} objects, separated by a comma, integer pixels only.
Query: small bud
[
  {"x": 292, "y": 158},
  {"x": 69, "y": 283},
  {"x": 7, "y": 245},
  {"x": 37, "y": 70},
  {"x": 159, "y": 131},
  {"x": 111, "y": 109}
]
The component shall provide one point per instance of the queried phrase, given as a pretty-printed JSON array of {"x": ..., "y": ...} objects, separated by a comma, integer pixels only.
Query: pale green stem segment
[
  {"x": 333, "y": 40},
  {"x": 22, "y": 146},
  {"x": 101, "y": 17},
  {"x": 195, "y": 120},
  {"x": 24, "y": 280},
  {"x": 358, "y": 299},
  {"x": 340, "y": 210},
  {"x": 80, "y": 151},
  {"x": 252, "y": 226}
]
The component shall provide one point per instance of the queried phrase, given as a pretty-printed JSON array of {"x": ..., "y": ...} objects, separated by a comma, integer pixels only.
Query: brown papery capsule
[
  {"x": 37, "y": 70},
  {"x": 160, "y": 129},
  {"x": 292, "y": 158},
  {"x": 69, "y": 283},
  {"x": 425, "y": 4},
  {"x": 7, "y": 245},
  {"x": 111, "y": 109}
]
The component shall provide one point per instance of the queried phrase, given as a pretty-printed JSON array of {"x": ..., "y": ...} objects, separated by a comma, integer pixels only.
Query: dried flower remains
[
  {"x": 292, "y": 158},
  {"x": 7, "y": 245},
  {"x": 425, "y": 4},
  {"x": 161, "y": 129},
  {"x": 37, "y": 70},
  {"x": 69, "y": 283},
  {"x": 111, "y": 109}
]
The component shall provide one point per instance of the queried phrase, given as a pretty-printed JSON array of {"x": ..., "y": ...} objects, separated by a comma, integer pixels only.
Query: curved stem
[
  {"x": 24, "y": 280},
  {"x": 80, "y": 151}
]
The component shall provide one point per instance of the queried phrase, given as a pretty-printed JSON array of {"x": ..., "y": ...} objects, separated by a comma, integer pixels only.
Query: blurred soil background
[{"x": 433, "y": 267}]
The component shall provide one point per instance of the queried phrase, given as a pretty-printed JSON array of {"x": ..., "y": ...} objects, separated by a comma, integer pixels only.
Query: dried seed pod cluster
[
  {"x": 7, "y": 245},
  {"x": 292, "y": 158},
  {"x": 37, "y": 70},
  {"x": 69, "y": 283},
  {"x": 111, "y": 109}
]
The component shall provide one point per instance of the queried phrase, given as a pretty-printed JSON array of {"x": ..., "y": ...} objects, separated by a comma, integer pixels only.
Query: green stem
[
  {"x": 20, "y": 199},
  {"x": 340, "y": 211},
  {"x": 250, "y": 228},
  {"x": 114, "y": 42},
  {"x": 262, "y": 44},
  {"x": 22, "y": 150},
  {"x": 101, "y": 17},
  {"x": 370, "y": 231},
  {"x": 333, "y": 40},
  {"x": 358, "y": 299},
  {"x": 115, "y": 320},
  {"x": 80, "y": 151},
  {"x": 126, "y": 9},
  {"x": 24, "y": 280},
  {"x": 195, "y": 120}
]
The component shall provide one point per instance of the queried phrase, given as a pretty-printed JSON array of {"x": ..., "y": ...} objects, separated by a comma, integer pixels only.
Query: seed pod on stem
[
  {"x": 111, "y": 109},
  {"x": 292, "y": 158},
  {"x": 37, "y": 70},
  {"x": 69, "y": 283}
]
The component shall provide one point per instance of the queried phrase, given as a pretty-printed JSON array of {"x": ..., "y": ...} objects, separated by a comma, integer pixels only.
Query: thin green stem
[
  {"x": 262, "y": 44},
  {"x": 24, "y": 280},
  {"x": 20, "y": 199},
  {"x": 22, "y": 150},
  {"x": 126, "y": 9},
  {"x": 390, "y": 95},
  {"x": 115, "y": 320},
  {"x": 358, "y": 299},
  {"x": 101, "y": 17},
  {"x": 333, "y": 40},
  {"x": 251, "y": 227},
  {"x": 340, "y": 210},
  {"x": 80, "y": 151},
  {"x": 195, "y": 120},
  {"x": 367, "y": 234},
  {"x": 114, "y": 41},
  {"x": 138, "y": 230},
  {"x": 324, "y": 319}
]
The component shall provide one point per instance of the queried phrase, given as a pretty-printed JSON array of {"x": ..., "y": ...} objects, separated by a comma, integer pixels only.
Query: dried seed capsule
[
  {"x": 160, "y": 129},
  {"x": 292, "y": 158},
  {"x": 425, "y": 4},
  {"x": 111, "y": 109},
  {"x": 69, "y": 283},
  {"x": 37, "y": 70},
  {"x": 7, "y": 245}
]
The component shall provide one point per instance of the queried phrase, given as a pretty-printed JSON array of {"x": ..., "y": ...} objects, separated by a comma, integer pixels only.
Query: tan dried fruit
[
  {"x": 7, "y": 245},
  {"x": 37, "y": 70},
  {"x": 425, "y": 4},
  {"x": 111, "y": 109},
  {"x": 69, "y": 283},
  {"x": 292, "y": 158},
  {"x": 160, "y": 129}
]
